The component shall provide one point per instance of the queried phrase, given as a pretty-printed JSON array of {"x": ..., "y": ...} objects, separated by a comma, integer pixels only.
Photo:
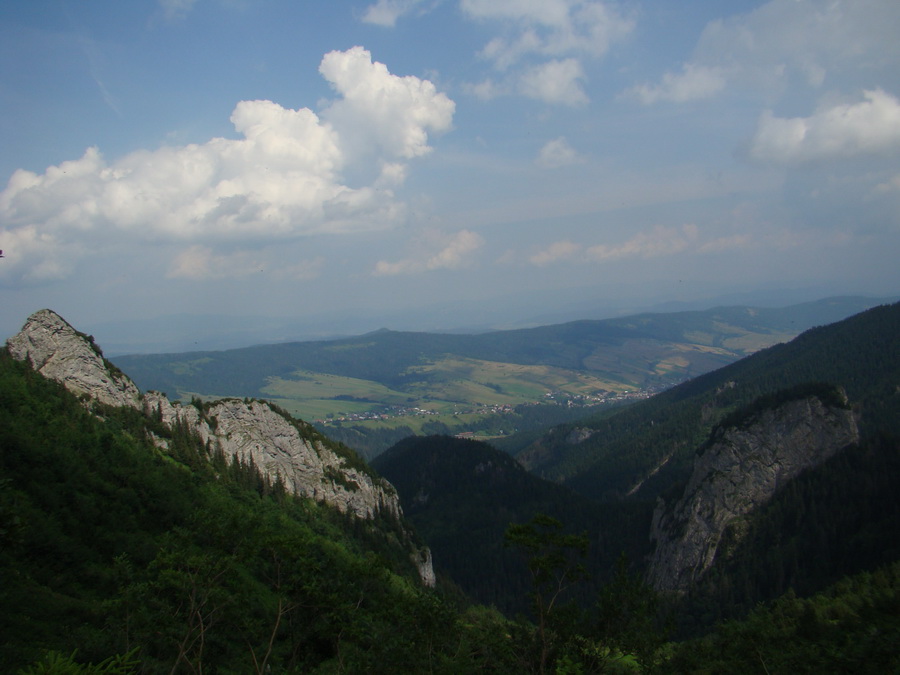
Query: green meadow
[{"x": 448, "y": 386}]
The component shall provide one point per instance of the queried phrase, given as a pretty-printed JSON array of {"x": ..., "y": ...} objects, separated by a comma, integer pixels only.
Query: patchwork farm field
[
  {"x": 448, "y": 386},
  {"x": 388, "y": 374}
]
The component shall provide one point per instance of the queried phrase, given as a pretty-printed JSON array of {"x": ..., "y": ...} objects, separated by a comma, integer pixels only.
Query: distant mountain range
[
  {"x": 450, "y": 373},
  {"x": 195, "y": 331}
]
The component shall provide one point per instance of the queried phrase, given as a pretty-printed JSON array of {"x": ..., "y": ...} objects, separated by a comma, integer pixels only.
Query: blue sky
[{"x": 277, "y": 158}]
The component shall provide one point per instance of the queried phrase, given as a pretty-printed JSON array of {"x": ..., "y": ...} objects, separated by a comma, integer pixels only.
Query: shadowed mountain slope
[
  {"x": 638, "y": 451},
  {"x": 462, "y": 495}
]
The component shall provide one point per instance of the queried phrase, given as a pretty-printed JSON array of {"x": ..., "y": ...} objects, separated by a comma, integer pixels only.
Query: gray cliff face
[
  {"x": 255, "y": 431},
  {"x": 736, "y": 475},
  {"x": 59, "y": 352},
  {"x": 246, "y": 430}
]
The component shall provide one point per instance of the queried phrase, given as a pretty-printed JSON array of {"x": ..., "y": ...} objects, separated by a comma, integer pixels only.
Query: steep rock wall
[
  {"x": 254, "y": 430},
  {"x": 736, "y": 474},
  {"x": 59, "y": 352}
]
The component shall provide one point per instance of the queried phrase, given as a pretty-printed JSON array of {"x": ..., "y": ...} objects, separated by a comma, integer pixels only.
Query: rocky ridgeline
[
  {"x": 59, "y": 352},
  {"x": 254, "y": 430},
  {"x": 248, "y": 430},
  {"x": 739, "y": 471}
]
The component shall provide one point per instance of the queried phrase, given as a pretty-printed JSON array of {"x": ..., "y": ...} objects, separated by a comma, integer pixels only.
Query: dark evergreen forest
[{"x": 117, "y": 556}]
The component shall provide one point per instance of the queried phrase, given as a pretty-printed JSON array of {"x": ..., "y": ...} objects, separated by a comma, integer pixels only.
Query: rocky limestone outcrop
[
  {"x": 254, "y": 430},
  {"x": 248, "y": 430},
  {"x": 59, "y": 352},
  {"x": 737, "y": 473}
]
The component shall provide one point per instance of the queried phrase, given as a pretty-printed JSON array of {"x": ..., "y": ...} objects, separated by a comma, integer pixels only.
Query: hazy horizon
[{"x": 214, "y": 332}]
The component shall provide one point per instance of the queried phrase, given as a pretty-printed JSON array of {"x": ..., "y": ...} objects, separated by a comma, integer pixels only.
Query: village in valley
[{"x": 551, "y": 397}]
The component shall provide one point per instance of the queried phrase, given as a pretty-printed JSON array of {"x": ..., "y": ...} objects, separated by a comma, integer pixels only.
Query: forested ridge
[
  {"x": 461, "y": 495},
  {"x": 835, "y": 520},
  {"x": 109, "y": 544},
  {"x": 659, "y": 436}
]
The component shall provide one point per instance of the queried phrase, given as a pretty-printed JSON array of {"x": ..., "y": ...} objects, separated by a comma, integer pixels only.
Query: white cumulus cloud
[
  {"x": 541, "y": 45},
  {"x": 693, "y": 82},
  {"x": 284, "y": 177},
  {"x": 556, "y": 81},
  {"x": 871, "y": 126},
  {"x": 556, "y": 252},
  {"x": 435, "y": 252},
  {"x": 660, "y": 241},
  {"x": 380, "y": 111},
  {"x": 557, "y": 153}
]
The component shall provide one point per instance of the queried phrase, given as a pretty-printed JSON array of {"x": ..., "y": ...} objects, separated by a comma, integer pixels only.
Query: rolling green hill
[{"x": 394, "y": 373}]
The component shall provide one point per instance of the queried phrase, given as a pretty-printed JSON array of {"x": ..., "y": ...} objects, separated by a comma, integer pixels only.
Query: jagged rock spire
[{"x": 59, "y": 352}]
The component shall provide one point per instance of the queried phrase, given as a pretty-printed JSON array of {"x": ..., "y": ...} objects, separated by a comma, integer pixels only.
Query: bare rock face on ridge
[
  {"x": 59, "y": 352},
  {"x": 247, "y": 430},
  {"x": 738, "y": 473},
  {"x": 254, "y": 430}
]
